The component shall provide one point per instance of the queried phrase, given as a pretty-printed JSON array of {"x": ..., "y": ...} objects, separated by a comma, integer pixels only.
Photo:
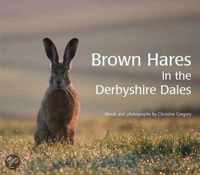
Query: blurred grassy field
[{"x": 107, "y": 146}]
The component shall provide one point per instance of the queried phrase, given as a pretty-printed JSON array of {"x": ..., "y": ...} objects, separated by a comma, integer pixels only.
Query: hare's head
[{"x": 60, "y": 71}]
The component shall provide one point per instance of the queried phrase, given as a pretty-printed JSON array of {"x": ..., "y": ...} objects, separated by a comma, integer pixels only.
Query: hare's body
[
  {"x": 58, "y": 115},
  {"x": 59, "y": 111}
]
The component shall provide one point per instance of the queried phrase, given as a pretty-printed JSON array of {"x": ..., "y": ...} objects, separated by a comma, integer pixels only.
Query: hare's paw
[
  {"x": 70, "y": 134},
  {"x": 40, "y": 136}
]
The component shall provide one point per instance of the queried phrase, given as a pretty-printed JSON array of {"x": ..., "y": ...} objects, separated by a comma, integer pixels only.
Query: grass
[{"x": 107, "y": 146}]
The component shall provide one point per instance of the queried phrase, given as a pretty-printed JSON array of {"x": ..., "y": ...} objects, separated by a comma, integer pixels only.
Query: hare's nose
[{"x": 59, "y": 82}]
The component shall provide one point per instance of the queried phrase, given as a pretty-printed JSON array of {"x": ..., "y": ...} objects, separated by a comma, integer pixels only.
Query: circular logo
[{"x": 12, "y": 161}]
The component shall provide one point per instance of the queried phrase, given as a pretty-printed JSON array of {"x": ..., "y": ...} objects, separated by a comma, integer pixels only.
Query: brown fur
[{"x": 59, "y": 111}]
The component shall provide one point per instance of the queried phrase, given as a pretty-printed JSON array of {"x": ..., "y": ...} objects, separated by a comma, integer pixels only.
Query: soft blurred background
[{"x": 130, "y": 27}]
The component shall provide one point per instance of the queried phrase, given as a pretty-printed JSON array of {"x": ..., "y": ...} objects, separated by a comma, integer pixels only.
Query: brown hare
[{"x": 59, "y": 111}]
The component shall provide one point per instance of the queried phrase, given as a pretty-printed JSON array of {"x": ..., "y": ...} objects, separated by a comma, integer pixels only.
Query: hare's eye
[
  {"x": 65, "y": 74},
  {"x": 55, "y": 72}
]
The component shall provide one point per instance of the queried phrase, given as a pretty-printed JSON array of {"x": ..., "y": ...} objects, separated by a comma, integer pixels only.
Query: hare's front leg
[
  {"x": 67, "y": 135},
  {"x": 70, "y": 136},
  {"x": 42, "y": 132},
  {"x": 41, "y": 135}
]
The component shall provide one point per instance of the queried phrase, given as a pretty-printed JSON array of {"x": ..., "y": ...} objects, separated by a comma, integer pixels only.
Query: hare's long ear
[
  {"x": 51, "y": 50},
  {"x": 70, "y": 51}
]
